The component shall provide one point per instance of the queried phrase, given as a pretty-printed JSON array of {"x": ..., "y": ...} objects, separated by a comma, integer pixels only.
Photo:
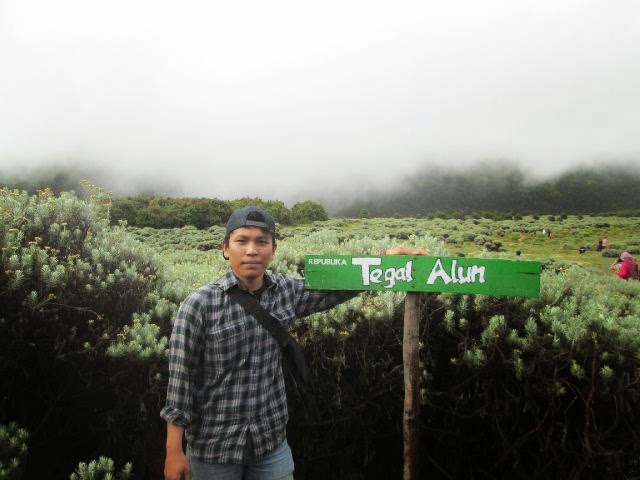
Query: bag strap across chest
[{"x": 251, "y": 305}]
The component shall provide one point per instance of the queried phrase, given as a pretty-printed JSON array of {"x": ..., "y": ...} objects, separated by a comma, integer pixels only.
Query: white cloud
[{"x": 286, "y": 99}]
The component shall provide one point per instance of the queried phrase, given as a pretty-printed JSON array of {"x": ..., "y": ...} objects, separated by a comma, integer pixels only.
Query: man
[{"x": 226, "y": 390}]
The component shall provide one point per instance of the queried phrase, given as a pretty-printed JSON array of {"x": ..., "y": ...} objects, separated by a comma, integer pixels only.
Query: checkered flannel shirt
[{"x": 225, "y": 380}]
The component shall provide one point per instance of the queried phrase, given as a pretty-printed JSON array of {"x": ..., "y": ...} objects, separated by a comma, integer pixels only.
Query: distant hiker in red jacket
[{"x": 628, "y": 267}]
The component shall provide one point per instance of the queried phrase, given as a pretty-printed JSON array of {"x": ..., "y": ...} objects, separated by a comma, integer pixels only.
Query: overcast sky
[{"x": 290, "y": 99}]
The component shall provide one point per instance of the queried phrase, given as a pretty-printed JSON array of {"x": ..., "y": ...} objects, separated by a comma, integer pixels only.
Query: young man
[{"x": 226, "y": 389}]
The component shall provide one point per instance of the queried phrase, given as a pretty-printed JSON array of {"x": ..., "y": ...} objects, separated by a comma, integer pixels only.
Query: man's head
[
  {"x": 251, "y": 217},
  {"x": 249, "y": 244}
]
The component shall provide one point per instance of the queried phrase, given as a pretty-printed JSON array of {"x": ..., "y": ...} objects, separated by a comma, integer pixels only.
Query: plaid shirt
[{"x": 225, "y": 380}]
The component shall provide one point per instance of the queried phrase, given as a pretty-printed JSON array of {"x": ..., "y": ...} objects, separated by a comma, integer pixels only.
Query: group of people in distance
[
  {"x": 625, "y": 265},
  {"x": 603, "y": 244}
]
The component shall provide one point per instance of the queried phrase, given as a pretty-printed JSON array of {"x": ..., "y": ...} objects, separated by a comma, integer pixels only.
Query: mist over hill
[
  {"x": 504, "y": 187},
  {"x": 481, "y": 187},
  {"x": 68, "y": 175}
]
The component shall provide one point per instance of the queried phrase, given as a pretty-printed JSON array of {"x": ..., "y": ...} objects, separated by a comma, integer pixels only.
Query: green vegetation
[
  {"x": 165, "y": 212},
  {"x": 101, "y": 469},
  {"x": 551, "y": 384},
  {"x": 478, "y": 237},
  {"x": 13, "y": 450},
  {"x": 70, "y": 285}
]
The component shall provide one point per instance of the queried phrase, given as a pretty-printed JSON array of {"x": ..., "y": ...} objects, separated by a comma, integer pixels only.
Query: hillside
[{"x": 503, "y": 188}]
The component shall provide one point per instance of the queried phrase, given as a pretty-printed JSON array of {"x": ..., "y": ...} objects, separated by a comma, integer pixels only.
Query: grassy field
[
  {"x": 191, "y": 257},
  {"x": 469, "y": 236}
]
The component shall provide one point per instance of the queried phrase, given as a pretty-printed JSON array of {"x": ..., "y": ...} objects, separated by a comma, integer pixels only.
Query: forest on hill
[{"x": 503, "y": 187}]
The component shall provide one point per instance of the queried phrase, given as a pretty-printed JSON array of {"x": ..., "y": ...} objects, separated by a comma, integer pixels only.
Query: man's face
[{"x": 250, "y": 250}]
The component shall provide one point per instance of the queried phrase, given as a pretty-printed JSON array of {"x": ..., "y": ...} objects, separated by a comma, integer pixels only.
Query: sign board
[{"x": 423, "y": 274}]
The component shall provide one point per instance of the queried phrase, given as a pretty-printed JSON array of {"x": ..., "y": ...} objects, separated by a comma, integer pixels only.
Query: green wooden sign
[{"x": 423, "y": 274}]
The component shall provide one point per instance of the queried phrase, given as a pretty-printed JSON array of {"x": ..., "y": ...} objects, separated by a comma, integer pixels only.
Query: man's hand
[
  {"x": 405, "y": 251},
  {"x": 176, "y": 466}
]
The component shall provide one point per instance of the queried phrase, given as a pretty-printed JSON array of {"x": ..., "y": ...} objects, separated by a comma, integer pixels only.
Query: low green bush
[
  {"x": 552, "y": 383},
  {"x": 101, "y": 469},
  {"x": 13, "y": 450},
  {"x": 70, "y": 286}
]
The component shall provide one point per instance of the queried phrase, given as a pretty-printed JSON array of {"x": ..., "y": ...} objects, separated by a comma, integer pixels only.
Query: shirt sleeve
[
  {"x": 185, "y": 347},
  {"x": 312, "y": 301}
]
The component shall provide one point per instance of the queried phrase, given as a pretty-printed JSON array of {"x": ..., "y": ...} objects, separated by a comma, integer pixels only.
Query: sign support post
[{"x": 411, "y": 363}]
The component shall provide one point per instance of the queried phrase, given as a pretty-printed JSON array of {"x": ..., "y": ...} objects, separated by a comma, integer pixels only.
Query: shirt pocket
[
  {"x": 226, "y": 346},
  {"x": 283, "y": 312}
]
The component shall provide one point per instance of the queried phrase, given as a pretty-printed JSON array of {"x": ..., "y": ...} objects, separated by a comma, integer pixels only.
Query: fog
[{"x": 294, "y": 100}]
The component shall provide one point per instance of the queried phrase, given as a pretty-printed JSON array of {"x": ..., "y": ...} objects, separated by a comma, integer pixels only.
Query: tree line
[{"x": 168, "y": 212}]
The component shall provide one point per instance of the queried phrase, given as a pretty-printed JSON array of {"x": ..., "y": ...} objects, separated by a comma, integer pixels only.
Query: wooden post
[{"x": 411, "y": 362}]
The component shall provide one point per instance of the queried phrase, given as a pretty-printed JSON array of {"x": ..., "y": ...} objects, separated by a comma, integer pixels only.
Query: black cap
[{"x": 251, "y": 217}]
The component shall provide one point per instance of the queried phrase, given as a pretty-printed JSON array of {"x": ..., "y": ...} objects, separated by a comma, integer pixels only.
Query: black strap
[{"x": 251, "y": 305}]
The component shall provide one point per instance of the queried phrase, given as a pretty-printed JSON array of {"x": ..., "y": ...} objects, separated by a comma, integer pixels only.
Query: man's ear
[{"x": 223, "y": 248}]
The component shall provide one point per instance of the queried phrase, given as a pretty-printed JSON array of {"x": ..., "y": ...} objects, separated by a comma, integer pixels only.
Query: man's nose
[{"x": 251, "y": 249}]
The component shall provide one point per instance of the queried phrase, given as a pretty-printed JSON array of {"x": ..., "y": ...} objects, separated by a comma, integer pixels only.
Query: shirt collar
[{"x": 229, "y": 280}]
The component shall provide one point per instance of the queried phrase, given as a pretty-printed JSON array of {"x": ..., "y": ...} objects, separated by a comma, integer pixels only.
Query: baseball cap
[{"x": 251, "y": 217}]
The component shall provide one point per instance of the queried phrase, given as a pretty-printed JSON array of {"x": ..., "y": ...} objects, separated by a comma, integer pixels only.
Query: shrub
[
  {"x": 13, "y": 450},
  {"x": 308, "y": 211},
  {"x": 70, "y": 284},
  {"x": 101, "y": 469},
  {"x": 544, "y": 380}
]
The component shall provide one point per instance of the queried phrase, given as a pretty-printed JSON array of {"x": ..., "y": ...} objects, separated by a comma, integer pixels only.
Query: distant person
[
  {"x": 628, "y": 267},
  {"x": 600, "y": 246},
  {"x": 582, "y": 249},
  {"x": 518, "y": 253},
  {"x": 605, "y": 243}
]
